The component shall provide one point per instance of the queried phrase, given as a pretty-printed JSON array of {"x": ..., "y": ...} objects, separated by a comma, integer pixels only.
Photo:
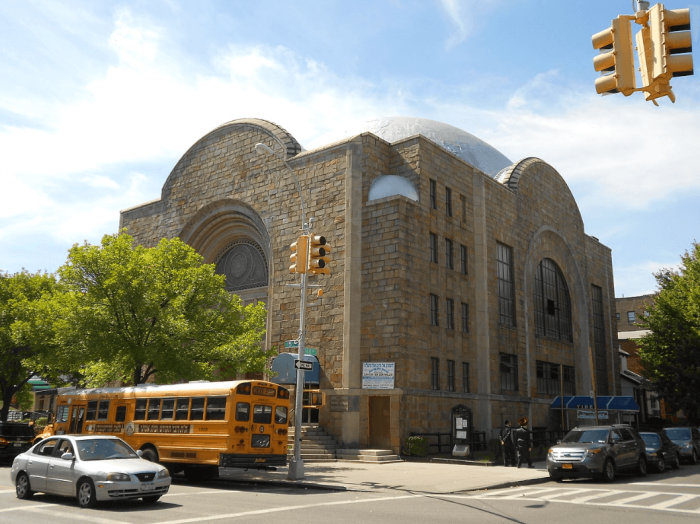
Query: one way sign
[{"x": 304, "y": 364}]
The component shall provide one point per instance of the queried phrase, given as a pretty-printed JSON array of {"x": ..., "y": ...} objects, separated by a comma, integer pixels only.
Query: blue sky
[{"x": 98, "y": 101}]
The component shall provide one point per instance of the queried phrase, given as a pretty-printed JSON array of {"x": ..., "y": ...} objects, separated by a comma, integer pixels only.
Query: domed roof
[{"x": 465, "y": 145}]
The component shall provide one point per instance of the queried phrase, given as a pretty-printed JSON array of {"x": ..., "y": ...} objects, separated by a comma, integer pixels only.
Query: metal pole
[
  {"x": 595, "y": 392},
  {"x": 561, "y": 395}
]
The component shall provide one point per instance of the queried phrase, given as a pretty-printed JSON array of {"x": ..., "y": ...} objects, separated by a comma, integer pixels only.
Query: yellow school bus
[{"x": 195, "y": 427}]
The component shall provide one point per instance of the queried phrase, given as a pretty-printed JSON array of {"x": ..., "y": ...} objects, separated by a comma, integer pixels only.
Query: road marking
[
  {"x": 7, "y": 491},
  {"x": 673, "y": 502},
  {"x": 666, "y": 485},
  {"x": 70, "y": 517},
  {"x": 630, "y": 497}
]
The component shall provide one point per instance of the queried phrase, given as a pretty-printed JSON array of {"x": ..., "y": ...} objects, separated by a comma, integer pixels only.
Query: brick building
[{"x": 471, "y": 274}]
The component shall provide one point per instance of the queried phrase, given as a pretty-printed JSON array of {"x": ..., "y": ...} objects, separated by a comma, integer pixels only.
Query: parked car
[
  {"x": 688, "y": 439},
  {"x": 661, "y": 452},
  {"x": 598, "y": 452},
  {"x": 15, "y": 438},
  {"x": 90, "y": 468}
]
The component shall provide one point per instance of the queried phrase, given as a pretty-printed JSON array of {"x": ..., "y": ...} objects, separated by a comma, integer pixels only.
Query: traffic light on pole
[
  {"x": 616, "y": 59},
  {"x": 300, "y": 250},
  {"x": 318, "y": 256},
  {"x": 671, "y": 42}
]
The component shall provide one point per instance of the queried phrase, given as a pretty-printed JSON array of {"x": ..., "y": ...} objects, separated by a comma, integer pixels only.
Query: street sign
[
  {"x": 294, "y": 344},
  {"x": 310, "y": 351},
  {"x": 591, "y": 414},
  {"x": 304, "y": 364}
]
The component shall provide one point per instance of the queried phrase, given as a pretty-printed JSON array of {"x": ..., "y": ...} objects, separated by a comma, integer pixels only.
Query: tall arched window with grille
[{"x": 552, "y": 302}]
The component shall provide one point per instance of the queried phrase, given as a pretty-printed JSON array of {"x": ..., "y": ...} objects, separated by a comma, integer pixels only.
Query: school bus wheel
[{"x": 150, "y": 454}]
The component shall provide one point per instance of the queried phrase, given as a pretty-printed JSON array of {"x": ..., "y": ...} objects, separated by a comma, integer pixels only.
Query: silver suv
[{"x": 597, "y": 451}]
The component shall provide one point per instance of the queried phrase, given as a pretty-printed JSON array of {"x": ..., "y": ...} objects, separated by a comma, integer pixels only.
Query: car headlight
[
  {"x": 163, "y": 473},
  {"x": 686, "y": 445},
  {"x": 118, "y": 477},
  {"x": 591, "y": 452},
  {"x": 651, "y": 453}
]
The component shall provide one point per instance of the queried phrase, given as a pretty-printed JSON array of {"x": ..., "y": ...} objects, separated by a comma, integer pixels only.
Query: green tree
[
  {"x": 134, "y": 312},
  {"x": 670, "y": 353},
  {"x": 27, "y": 341}
]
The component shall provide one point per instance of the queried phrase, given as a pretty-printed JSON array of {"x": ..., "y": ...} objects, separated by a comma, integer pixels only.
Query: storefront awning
[{"x": 604, "y": 402}]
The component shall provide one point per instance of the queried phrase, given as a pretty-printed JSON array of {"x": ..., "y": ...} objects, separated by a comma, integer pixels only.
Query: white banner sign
[{"x": 378, "y": 375}]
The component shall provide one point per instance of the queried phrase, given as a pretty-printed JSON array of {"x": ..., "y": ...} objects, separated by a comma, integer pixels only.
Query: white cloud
[{"x": 464, "y": 15}]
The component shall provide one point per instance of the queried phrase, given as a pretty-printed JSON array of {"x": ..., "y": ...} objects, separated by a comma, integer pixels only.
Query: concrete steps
[{"x": 319, "y": 446}]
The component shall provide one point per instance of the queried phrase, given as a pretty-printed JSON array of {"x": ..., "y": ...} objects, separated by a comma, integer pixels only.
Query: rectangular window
[
  {"x": 450, "y": 307},
  {"x": 465, "y": 318},
  {"x": 448, "y": 201},
  {"x": 433, "y": 194},
  {"x": 449, "y": 258},
  {"x": 509, "y": 372},
  {"x": 103, "y": 410},
  {"x": 434, "y": 373},
  {"x": 450, "y": 375},
  {"x": 548, "y": 376},
  {"x": 120, "y": 414},
  {"x": 463, "y": 259},
  {"x": 433, "y": 248},
  {"x": 168, "y": 409},
  {"x": 434, "y": 320},
  {"x": 140, "y": 410},
  {"x": 506, "y": 285},
  {"x": 182, "y": 409},
  {"x": 216, "y": 408},
  {"x": 463, "y": 201},
  {"x": 465, "y": 377},
  {"x": 601, "y": 360},
  {"x": 153, "y": 409},
  {"x": 242, "y": 411},
  {"x": 617, "y": 315},
  {"x": 91, "y": 411},
  {"x": 631, "y": 317},
  {"x": 262, "y": 414},
  {"x": 197, "y": 409}
]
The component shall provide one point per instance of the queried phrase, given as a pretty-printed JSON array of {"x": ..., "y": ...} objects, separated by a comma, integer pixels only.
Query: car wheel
[
  {"x": 150, "y": 454},
  {"x": 642, "y": 467},
  {"x": 22, "y": 487},
  {"x": 694, "y": 457},
  {"x": 676, "y": 462},
  {"x": 661, "y": 463},
  {"x": 608, "y": 471},
  {"x": 151, "y": 500},
  {"x": 86, "y": 494}
]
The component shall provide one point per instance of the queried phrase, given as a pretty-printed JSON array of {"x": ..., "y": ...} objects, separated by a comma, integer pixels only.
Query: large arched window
[
  {"x": 552, "y": 302},
  {"x": 244, "y": 265}
]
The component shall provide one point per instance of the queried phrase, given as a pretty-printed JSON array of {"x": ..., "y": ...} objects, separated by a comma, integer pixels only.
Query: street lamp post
[{"x": 296, "y": 465}]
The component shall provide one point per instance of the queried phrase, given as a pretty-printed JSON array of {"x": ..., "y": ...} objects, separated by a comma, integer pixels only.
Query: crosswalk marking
[{"x": 674, "y": 502}]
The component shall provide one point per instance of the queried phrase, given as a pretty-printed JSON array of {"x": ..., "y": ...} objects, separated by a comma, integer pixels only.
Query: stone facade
[{"x": 377, "y": 300}]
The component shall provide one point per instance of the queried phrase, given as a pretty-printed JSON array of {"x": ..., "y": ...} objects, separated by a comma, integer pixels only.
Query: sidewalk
[{"x": 414, "y": 477}]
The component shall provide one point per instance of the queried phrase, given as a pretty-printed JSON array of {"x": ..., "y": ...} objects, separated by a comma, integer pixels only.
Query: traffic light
[
  {"x": 318, "y": 256},
  {"x": 671, "y": 42},
  {"x": 299, "y": 256},
  {"x": 616, "y": 59}
]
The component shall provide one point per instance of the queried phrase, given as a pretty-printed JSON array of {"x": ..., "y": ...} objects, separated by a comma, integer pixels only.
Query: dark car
[
  {"x": 597, "y": 452},
  {"x": 688, "y": 440},
  {"x": 15, "y": 438},
  {"x": 661, "y": 452}
]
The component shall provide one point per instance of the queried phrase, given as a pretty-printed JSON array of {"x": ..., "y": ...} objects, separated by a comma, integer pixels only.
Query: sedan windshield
[
  {"x": 103, "y": 449},
  {"x": 587, "y": 436},
  {"x": 678, "y": 433},
  {"x": 651, "y": 440}
]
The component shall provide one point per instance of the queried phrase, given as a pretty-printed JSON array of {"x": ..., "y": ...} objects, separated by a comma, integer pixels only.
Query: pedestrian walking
[
  {"x": 523, "y": 444},
  {"x": 508, "y": 448}
]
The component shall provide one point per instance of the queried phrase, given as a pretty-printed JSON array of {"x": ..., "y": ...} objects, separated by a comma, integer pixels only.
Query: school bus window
[
  {"x": 120, "y": 415},
  {"x": 182, "y": 409},
  {"x": 140, "y": 411},
  {"x": 280, "y": 415},
  {"x": 153, "y": 408},
  {"x": 91, "y": 410},
  {"x": 166, "y": 412},
  {"x": 62, "y": 414},
  {"x": 242, "y": 412},
  {"x": 216, "y": 408},
  {"x": 103, "y": 410},
  {"x": 197, "y": 409},
  {"x": 262, "y": 414}
]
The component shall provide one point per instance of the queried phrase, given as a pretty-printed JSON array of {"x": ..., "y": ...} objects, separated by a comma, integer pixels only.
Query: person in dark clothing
[
  {"x": 508, "y": 447},
  {"x": 523, "y": 444}
]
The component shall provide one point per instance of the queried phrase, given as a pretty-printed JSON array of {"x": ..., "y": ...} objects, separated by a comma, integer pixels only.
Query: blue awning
[
  {"x": 604, "y": 402},
  {"x": 283, "y": 365}
]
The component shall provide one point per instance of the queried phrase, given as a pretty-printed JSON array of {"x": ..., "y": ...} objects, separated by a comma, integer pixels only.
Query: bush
[{"x": 416, "y": 446}]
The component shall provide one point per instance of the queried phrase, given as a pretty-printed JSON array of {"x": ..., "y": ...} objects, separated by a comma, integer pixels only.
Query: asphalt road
[{"x": 672, "y": 497}]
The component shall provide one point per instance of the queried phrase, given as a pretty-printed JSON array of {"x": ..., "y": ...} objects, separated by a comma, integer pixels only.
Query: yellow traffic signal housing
[
  {"x": 318, "y": 256},
  {"x": 299, "y": 256},
  {"x": 314, "y": 398},
  {"x": 671, "y": 42},
  {"x": 616, "y": 58}
]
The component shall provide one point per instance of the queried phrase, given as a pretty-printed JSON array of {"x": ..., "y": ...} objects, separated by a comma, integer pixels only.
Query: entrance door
[
  {"x": 379, "y": 422},
  {"x": 76, "y": 422}
]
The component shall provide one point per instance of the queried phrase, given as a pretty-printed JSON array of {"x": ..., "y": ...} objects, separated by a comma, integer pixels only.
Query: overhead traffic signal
[
  {"x": 299, "y": 256},
  {"x": 672, "y": 42},
  {"x": 616, "y": 59},
  {"x": 318, "y": 255}
]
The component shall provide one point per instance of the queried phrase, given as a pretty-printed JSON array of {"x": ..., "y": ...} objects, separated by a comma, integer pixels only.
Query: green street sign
[
  {"x": 310, "y": 351},
  {"x": 291, "y": 344}
]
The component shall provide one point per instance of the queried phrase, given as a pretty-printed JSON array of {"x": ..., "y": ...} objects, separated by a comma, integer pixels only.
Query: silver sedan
[{"x": 89, "y": 468}]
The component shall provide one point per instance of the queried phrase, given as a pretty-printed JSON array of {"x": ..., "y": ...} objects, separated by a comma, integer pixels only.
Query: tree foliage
[
  {"x": 27, "y": 340},
  {"x": 671, "y": 352},
  {"x": 133, "y": 312}
]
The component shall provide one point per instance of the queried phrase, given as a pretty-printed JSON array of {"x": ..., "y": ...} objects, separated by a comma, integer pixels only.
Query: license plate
[
  {"x": 567, "y": 466},
  {"x": 18, "y": 444},
  {"x": 148, "y": 487}
]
